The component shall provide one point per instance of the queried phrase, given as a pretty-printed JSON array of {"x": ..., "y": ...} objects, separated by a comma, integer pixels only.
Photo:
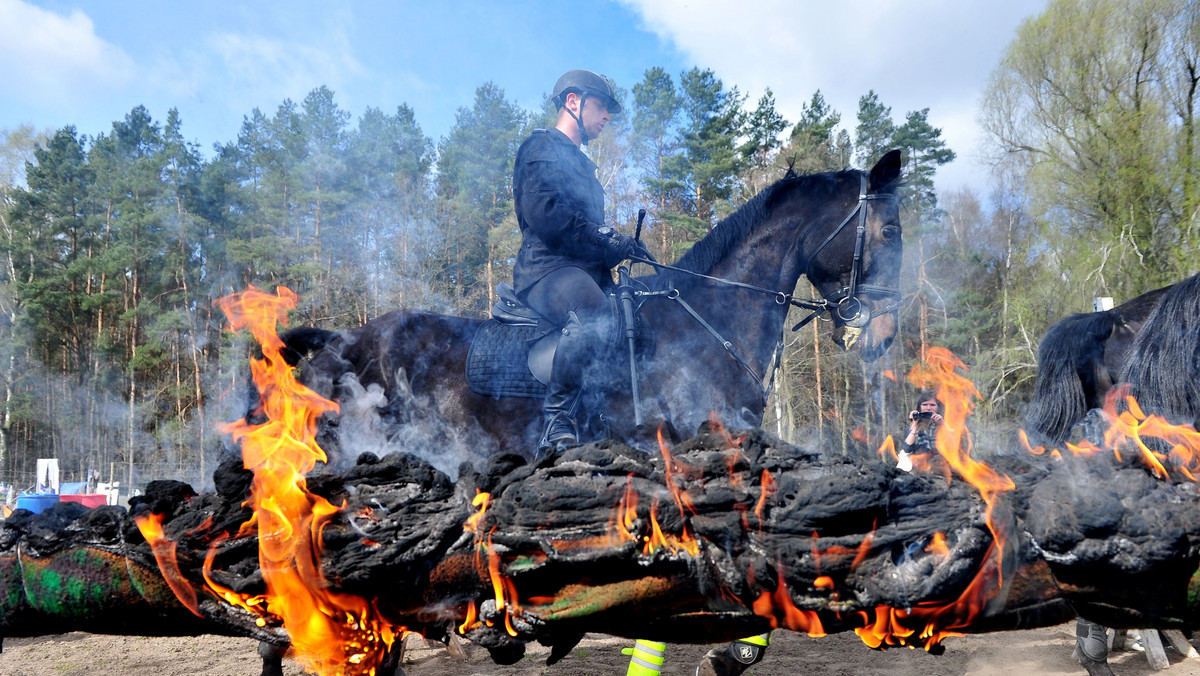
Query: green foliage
[
  {"x": 117, "y": 246},
  {"x": 1094, "y": 99},
  {"x": 814, "y": 145},
  {"x": 924, "y": 151},
  {"x": 475, "y": 182},
  {"x": 873, "y": 135}
]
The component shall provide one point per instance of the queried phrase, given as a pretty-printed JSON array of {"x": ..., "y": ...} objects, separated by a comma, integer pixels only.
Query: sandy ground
[{"x": 1040, "y": 652}]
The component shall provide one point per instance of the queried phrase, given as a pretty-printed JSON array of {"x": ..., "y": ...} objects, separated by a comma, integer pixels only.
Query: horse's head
[{"x": 856, "y": 260}]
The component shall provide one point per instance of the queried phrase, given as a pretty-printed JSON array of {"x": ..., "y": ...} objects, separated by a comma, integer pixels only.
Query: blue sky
[{"x": 89, "y": 63}]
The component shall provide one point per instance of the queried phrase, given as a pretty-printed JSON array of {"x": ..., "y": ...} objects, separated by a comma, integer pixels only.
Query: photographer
[{"x": 922, "y": 429}]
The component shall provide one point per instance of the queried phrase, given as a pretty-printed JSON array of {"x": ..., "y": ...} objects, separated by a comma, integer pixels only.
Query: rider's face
[{"x": 595, "y": 116}]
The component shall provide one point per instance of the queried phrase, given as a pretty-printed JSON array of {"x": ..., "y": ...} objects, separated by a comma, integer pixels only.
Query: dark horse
[
  {"x": 1151, "y": 344},
  {"x": 407, "y": 367},
  {"x": 1079, "y": 360},
  {"x": 1163, "y": 364}
]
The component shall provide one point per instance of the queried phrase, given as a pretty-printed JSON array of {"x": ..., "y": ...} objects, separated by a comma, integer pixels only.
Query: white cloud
[
  {"x": 258, "y": 70},
  {"x": 914, "y": 54},
  {"x": 49, "y": 58}
]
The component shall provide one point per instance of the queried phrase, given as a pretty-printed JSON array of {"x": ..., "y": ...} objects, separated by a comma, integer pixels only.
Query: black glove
[
  {"x": 621, "y": 246},
  {"x": 642, "y": 252}
]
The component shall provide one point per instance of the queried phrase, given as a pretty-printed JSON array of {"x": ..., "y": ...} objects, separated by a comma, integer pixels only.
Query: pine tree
[
  {"x": 814, "y": 145},
  {"x": 474, "y": 187},
  {"x": 873, "y": 135},
  {"x": 924, "y": 151}
]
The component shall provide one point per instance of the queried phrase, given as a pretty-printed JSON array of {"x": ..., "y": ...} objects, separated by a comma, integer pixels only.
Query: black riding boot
[{"x": 566, "y": 388}]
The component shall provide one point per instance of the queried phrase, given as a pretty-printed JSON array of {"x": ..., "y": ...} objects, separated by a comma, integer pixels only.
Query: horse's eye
[{"x": 891, "y": 232}]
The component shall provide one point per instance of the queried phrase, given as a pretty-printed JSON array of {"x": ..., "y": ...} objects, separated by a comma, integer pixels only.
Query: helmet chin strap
[{"x": 583, "y": 135}]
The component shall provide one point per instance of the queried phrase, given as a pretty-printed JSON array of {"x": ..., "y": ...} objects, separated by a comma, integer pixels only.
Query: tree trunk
[{"x": 721, "y": 537}]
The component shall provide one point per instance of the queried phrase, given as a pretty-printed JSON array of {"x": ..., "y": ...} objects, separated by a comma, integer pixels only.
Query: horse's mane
[
  {"x": 733, "y": 229},
  {"x": 1162, "y": 366},
  {"x": 1068, "y": 358}
]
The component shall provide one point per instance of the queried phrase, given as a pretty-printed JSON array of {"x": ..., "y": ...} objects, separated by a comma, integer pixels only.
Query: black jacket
[{"x": 560, "y": 209}]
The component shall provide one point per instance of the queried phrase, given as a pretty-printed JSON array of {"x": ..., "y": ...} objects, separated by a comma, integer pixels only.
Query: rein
[{"x": 845, "y": 298}]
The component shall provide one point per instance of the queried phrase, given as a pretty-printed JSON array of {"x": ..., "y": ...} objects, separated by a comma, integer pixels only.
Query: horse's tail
[
  {"x": 1070, "y": 358},
  {"x": 1162, "y": 367}
]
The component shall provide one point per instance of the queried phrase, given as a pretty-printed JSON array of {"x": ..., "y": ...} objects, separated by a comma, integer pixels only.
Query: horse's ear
[
  {"x": 791, "y": 167},
  {"x": 885, "y": 171}
]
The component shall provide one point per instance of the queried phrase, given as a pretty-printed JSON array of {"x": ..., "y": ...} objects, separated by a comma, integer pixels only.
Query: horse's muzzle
[{"x": 874, "y": 331}]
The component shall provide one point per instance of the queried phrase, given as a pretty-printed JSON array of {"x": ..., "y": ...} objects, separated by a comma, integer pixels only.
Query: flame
[
  {"x": 683, "y": 502},
  {"x": 766, "y": 489},
  {"x": 1176, "y": 451},
  {"x": 883, "y": 629},
  {"x": 927, "y": 624},
  {"x": 864, "y": 548},
  {"x": 731, "y": 460},
  {"x": 471, "y": 620},
  {"x": 718, "y": 427},
  {"x": 164, "y": 554},
  {"x": 503, "y": 588},
  {"x": 626, "y": 518},
  {"x": 779, "y": 609},
  {"x": 937, "y": 546},
  {"x": 332, "y": 633},
  {"x": 887, "y": 450},
  {"x": 887, "y": 373}
]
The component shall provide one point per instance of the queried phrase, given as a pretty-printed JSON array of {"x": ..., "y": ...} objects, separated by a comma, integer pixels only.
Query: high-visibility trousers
[{"x": 646, "y": 658}]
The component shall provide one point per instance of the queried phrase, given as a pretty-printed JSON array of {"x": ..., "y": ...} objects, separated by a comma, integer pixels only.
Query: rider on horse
[{"x": 563, "y": 269}]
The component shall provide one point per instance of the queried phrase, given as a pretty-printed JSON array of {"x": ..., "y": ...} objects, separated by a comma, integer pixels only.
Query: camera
[{"x": 922, "y": 415}]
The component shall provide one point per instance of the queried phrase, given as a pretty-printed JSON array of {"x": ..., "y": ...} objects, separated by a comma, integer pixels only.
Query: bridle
[
  {"x": 847, "y": 307},
  {"x": 844, "y": 305}
]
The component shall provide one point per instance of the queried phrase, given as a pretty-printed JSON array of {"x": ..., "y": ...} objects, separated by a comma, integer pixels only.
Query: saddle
[{"x": 511, "y": 354}]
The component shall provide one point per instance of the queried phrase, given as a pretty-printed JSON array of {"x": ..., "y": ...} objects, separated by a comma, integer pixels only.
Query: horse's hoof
[{"x": 1095, "y": 668}]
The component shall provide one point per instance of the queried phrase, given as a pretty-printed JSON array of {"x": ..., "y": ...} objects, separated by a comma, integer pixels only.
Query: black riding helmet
[{"x": 585, "y": 83}]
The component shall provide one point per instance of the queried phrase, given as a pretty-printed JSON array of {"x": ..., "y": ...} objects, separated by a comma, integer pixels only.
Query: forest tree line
[{"x": 114, "y": 247}]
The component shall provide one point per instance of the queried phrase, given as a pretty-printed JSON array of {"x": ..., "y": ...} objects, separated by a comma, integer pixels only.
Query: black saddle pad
[{"x": 498, "y": 362}]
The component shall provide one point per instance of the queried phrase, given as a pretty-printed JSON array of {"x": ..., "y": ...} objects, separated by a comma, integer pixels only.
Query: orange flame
[
  {"x": 1175, "y": 451},
  {"x": 937, "y": 546},
  {"x": 164, "y": 554},
  {"x": 890, "y": 626},
  {"x": 887, "y": 450},
  {"x": 332, "y": 633},
  {"x": 859, "y": 434},
  {"x": 718, "y": 427},
  {"x": 779, "y": 609},
  {"x": 864, "y": 548},
  {"x": 766, "y": 489},
  {"x": 683, "y": 502},
  {"x": 504, "y": 589}
]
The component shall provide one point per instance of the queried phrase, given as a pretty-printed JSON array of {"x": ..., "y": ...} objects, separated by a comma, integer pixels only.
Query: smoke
[{"x": 373, "y": 422}]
